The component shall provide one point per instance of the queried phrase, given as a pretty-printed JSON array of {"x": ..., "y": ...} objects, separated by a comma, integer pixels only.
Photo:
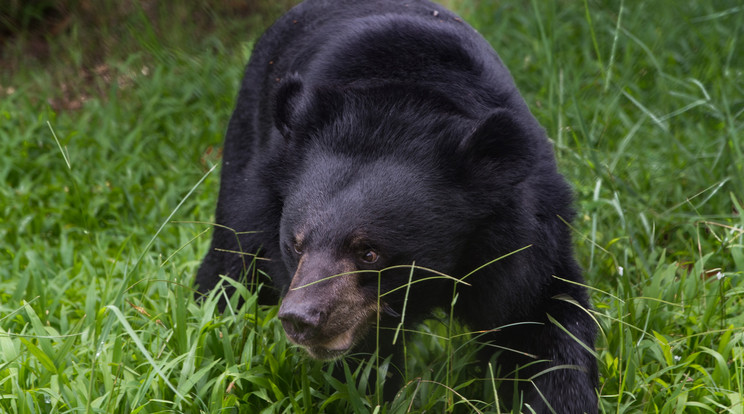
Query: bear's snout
[{"x": 325, "y": 310}]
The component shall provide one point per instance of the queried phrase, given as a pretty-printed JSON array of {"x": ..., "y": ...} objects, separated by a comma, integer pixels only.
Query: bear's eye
[
  {"x": 367, "y": 256},
  {"x": 297, "y": 247}
]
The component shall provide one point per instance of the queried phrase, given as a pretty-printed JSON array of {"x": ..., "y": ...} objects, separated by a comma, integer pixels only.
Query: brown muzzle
[{"x": 325, "y": 309}]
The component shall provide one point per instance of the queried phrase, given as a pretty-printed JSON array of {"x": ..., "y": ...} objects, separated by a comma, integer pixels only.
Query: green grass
[{"x": 102, "y": 213}]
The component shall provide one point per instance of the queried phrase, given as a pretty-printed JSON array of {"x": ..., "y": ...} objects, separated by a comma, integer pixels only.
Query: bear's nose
[{"x": 301, "y": 325}]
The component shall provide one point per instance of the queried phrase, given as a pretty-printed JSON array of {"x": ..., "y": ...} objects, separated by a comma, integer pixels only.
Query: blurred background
[{"x": 73, "y": 41}]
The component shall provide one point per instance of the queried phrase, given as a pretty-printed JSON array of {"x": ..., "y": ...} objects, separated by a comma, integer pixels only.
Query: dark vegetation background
[
  {"x": 75, "y": 41},
  {"x": 112, "y": 115}
]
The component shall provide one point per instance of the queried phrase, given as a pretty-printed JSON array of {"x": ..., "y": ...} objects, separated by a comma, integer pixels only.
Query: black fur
[{"x": 393, "y": 127}]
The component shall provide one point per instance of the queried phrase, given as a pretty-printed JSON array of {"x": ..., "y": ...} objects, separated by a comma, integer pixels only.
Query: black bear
[{"x": 370, "y": 135}]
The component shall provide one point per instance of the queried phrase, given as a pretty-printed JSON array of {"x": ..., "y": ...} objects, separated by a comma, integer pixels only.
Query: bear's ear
[
  {"x": 501, "y": 141},
  {"x": 287, "y": 102},
  {"x": 299, "y": 109}
]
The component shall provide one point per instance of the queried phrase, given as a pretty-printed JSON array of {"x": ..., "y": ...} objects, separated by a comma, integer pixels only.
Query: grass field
[{"x": 109, "y": 177}]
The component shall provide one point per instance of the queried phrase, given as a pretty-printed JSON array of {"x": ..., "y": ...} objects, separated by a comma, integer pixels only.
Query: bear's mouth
[
  {"x": 334, "y": 348},
  {"x": 341, "y": 342},
  {"x": 332, "y": 345}
]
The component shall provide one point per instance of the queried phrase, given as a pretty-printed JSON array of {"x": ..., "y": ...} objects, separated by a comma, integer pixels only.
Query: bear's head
[{"x": 377, "y": 180}]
